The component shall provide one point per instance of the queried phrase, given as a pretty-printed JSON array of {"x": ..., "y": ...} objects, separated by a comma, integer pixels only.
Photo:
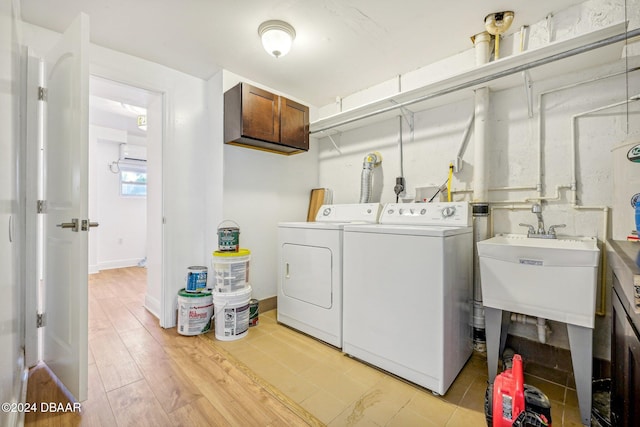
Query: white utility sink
[{"x": 551, "y": 278}]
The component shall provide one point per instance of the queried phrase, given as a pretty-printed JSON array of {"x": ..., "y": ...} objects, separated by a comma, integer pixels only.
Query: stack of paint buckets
[
  {"x": 232, "y": 291},
  {"x": 195, "y": 303}
]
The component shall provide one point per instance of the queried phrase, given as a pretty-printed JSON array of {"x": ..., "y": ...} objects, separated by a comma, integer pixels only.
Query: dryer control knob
[
  {"x": 448, "y": 211},
  {"x": 326, "y": 211}
]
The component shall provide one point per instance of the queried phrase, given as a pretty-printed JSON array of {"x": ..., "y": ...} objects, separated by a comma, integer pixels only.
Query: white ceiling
[{"x": 342, "y": 46}]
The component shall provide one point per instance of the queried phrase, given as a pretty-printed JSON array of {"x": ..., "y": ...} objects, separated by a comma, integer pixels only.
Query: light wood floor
[{"x": 143, "y": 375}]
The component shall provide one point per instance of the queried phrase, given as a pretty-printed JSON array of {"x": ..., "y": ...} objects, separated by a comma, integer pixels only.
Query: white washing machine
[
  {"x": 407, "y": 285},
  {"x": 310, "y": 269}
]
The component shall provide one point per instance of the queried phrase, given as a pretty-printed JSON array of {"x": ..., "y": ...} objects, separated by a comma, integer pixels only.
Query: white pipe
[
  {"x": 539, "y": 322},
  {"x": 542, "y": 330},
  {"x": 480, "y": 188},
  {"x": 574, "y": 142},
  {"x": 480, "y": 193},
  {"x": 603, "y": 254},
  {"x": 481, "y": 43},
  {"x": 506, "y": 188},
  {"x": 540, "y": 121},
  {"x": 553, "y": 198}
]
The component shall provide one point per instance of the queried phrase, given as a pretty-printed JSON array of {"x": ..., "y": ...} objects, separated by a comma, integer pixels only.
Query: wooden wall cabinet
[{"x": 258, "y": 119}]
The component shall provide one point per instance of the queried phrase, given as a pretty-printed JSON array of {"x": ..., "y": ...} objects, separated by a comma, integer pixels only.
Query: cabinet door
[
  {"x": 633, "y": 374},
  {"x": 625, "y": 366},
  {"x": 260, "y": 114},
  {"x": 619, "y": 401},
  {"x": 294, "y": 124}
]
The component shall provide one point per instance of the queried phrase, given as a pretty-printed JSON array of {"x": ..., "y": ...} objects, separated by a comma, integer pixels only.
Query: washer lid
[{"x": 407, "y": 230}]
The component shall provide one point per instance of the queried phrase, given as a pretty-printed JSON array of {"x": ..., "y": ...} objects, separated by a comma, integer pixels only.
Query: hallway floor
[{"x": 141, "y": 374}]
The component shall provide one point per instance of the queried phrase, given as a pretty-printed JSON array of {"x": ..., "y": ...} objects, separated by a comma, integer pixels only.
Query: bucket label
[
  {"x": 196, "y": 281},
  {"x": 634, "y": 200},
  {"x": 232, "y": 322},
  {"x": 236, "y": 321},
  {"x": 231, "y": 276},
  {"x": 194, "y": 319},
  {"x": 634, "y": 154},
  {"x": 229, "y": 239}
]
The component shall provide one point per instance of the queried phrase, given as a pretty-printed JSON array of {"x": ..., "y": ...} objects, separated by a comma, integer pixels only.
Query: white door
[{"x": 65, "y": 342}]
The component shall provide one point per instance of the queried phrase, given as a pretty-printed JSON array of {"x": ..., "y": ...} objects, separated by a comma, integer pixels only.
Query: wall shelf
[{"x": 565, "y": 56}]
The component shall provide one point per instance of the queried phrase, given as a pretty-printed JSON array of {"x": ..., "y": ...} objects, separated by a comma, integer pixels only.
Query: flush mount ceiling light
[{"x": 277, "y": 37}]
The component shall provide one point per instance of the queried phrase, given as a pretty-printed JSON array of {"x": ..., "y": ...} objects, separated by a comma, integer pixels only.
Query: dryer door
[{"x": 306, "y": 274}]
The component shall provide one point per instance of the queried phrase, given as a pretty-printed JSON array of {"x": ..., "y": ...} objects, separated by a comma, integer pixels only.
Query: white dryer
[
  {"x": 310, "y": 269},
  {"x": 408, "y": 291}
]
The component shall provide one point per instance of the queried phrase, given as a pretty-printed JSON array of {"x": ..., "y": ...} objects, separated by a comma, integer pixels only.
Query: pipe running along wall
[{"x": 480, "y": 188}]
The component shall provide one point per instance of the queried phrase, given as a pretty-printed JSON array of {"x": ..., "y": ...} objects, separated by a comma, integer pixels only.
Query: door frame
[{"x": 159, "y": 272}]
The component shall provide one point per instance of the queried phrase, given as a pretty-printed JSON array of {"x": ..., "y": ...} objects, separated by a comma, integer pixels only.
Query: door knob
[
  {"x": 86, "y": 224},
  {"x": 73, "y": 225}
]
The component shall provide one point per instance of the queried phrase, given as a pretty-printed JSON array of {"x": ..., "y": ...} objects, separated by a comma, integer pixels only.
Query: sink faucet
[
  {"x": 540, "y": 233},
  {"x": 537, "y": 209}
]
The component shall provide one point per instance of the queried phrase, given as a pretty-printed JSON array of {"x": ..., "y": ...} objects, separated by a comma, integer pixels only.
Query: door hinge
[
  {"x": 40, "y": 320},
  {"x": 42, "y": 93},
  {"x": 42, "y": 206}
]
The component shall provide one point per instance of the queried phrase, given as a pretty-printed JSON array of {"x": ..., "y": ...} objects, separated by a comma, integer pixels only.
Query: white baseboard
[
  {"x": 152, "y": 305},
  {"x": 120, "y": 263}
]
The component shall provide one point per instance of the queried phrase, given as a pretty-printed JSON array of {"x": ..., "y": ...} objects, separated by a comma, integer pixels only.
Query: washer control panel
[
  {"x": 356, "y": 212},
  {"x": 454, "y": 214}
]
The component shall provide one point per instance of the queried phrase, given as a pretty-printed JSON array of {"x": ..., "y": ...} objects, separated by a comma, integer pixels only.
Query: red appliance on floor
[{"x": 509, "y": 402}]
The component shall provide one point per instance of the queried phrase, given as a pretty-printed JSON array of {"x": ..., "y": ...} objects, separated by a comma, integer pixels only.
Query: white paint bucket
[
  {"x": 194, "y": 312},
  {"x": 231, "y": 270},
  {"x": 231, "y": 320}
]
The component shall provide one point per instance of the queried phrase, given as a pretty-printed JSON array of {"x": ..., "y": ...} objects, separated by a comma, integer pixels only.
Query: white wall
[
  {"x": 11, "y": 220},
  {"x": 511, "y": 143},
  {"x": 260, "y": 190},
  {"x": 214, "y": 173},
  {"x": 122, "y": 234},
  {"x": 154, "y": 231}
]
